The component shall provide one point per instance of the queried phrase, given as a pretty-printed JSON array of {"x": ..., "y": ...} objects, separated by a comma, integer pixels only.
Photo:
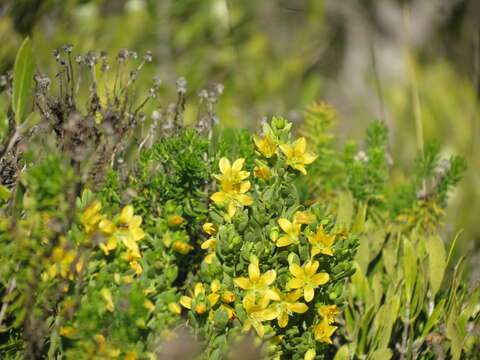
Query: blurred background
[{"x": 402, "y": 61}]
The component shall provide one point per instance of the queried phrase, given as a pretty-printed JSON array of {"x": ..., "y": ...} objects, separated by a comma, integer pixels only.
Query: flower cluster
[{"x": 275, "y": 258}]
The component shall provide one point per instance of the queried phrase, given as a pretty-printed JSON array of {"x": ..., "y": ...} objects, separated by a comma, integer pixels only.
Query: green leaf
[
  {"x": 4, "y": 193},
  {"x": 410, "y": 266},
  {"x": 23, "y": 81},
  {"x": 381, "y": 354},
  {"x": 342, "y": 353},
  {"x": 437, "y": 262},
  {"x": 433, "y": 319},
  {"x": 345, "y": 208}
]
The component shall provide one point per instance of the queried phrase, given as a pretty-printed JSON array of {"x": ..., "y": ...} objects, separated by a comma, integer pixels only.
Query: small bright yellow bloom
[
  {"x": 257, "y": 312},
  {"x": 175, "y": 308},
  {"x": 107, "y": 296},
  {"x": 209, "y": 244},
  {"x": 131, "y": 356},
  {"x": 137, "y": 267},
  {"x": 257, "y": 282},
  {"x": 209, "y": 258},
  {"x": 328, "y": 312},
  {"x": 323, "y": 332},
  {"x": 175, "y": 220},
  {"x": 182, "y": 247},
  {"x": 297, "y": 156},
  {"x": 292, "y": 231},
  {"x": 265, "y": 146},
  {"x": 233, "y": 188},
  {"x": 90, "y": 217},
  {"x": 321, "y": 242},
  {"x": 228, "y": 297},
  {"x": 310, "y": 354},
  {"x": 129, "y": 229},
  {"x": 287, "y": 305},
  {"x": 68, "y": 331},
  {"x": 210, "y": 228},
  {"x": 148, "y": 305},
  {"x": 186, "y": 301},
  {"x": 302, "y": 217},
  {"x": 262, "y": 172},
  {"x": 306, "y": 278}
]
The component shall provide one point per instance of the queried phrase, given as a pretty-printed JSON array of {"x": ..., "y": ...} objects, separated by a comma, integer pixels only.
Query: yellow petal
[
  {"x": 287, "y": 150},
  {"x": 298, "y": 308},
  {"x": 232, "y": 209},
  {"x": 295, "y": 283},
  {"x": 106, "y": 226},
  {"x": 310, "y": 354},
  {"x": 311, "y": 267},
  {"x": 244, "y": 186},
  {"x": 296, "y": 270},
  {"x": 199, "y": 289},
  {"x": 137, "y": 234},
  {"x": 213, "y": 298},
  {"x": 308, "y": 158},
  {"x": 219, "y": 197},
  {"x": 258, "y": 328},
  {"x": 215, "y": 286},
  {"x": 186, "y": 302},
  {"x": 126, "y": 214},
  {"x": 267, "y": 314},
  {"x": 308, "y": 293},
  {"x": 283, "y": 319},
  {"x": 285, "y": 225},
  {"x": 209, "y": 228},
  {"x": 300, "y": 145},
  {"x": 284, "y": 241},
  {"x": 238, "y": 164},
  {"x": 242, "y": 283},
  {"x": 135, "y": 222},
  {"x": 224, "y": 165},
  {"x": 300, "y": 168},
  {"x": 253, "y": 272},
  {"x": 148, "y": 305},
  {"x": 269, "y": 277},
  {"x": 321, "y": 278},
  {"x": 245, "y": 200},
  {"x": 272, "y": 295}
]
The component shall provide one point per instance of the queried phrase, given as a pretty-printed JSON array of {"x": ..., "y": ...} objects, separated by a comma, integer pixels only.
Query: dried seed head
[
  {"x": 105, "y": 66},
  {"x": 155, "y": 115},
  {"x": 103, "y": 55},
  {"x": 181, "y": 85},
  {"x": 152, "y": 92},
  {"x": 122, "y": 55},
  {"x": 68, "y": 48},
  {"x": 157, "y": 82},
  {"x": 203, "y": 95},
  {"x": 133, "y": 54},
  {"x": 91, "y": 59},
  {"x": 79, "y": 59},
  {"x": 219, "y": 89},
  {"x": 56, "y": 54},
  {"x": 148, "y": 57},
  {"x": 42, "y": 80}
]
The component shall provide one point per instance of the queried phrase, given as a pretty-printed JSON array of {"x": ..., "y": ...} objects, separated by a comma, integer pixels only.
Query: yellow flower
[
  {"x": 182, "y": 247},
  {"x": 175, "y": 308},
  {"x": 213, "y": 297},
  {"x": 128, "y": 228},
  {"x": 302, "y": 217},
  {"x": 175, "y": 220},
  {"x": 107, "y": 296},
  {"x": 287, "y": 305},
  {"x": 209, "y": 258},
  {"x": 131, "y": 356},
  {"x": 90, "y": 217},
  {"x": 187, "y": 301},
  {"x": 323, "y": 332},
  {"x": 209, "y": 244},
  {"x": 137, "y": 267},
  {"x": 257, "y": 312},
  {"x": 149, "y": 305},
  {"x": 297, "y": 156},
  {"x": 292, "y": 231},
  {"x": 321, "y": 242},
  {"x": 257, "y": 282},
  {"x": 233, "y": 188},
  {"x": 210, "y": 228},
  {"x": 228, "y": 297},
  {"x": 262, "y": 172},
  {"x": 306, "y": 278},
  {"x": 310, "y": 354},
  {"x": 265, "y": 146},
  {"x": 328, "y": 312},
  {"x": 68, "y": 331}
]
